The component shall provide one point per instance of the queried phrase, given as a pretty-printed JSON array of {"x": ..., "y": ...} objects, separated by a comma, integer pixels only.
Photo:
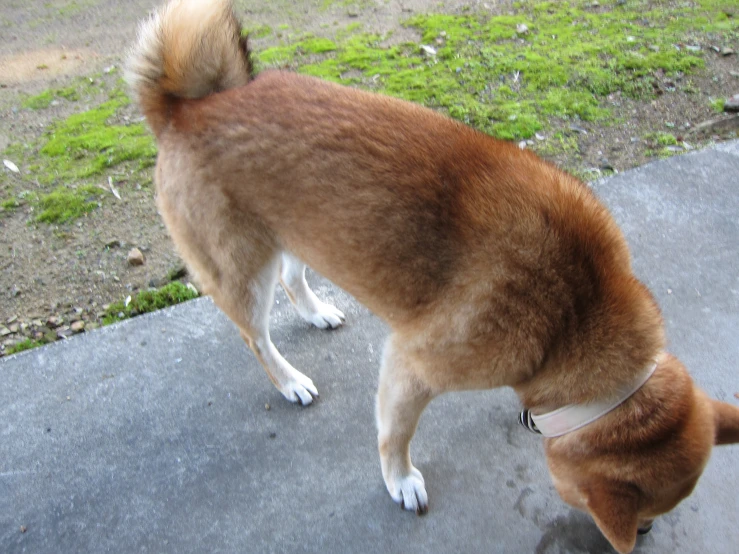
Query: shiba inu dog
[{"x": 492, "y": 267}]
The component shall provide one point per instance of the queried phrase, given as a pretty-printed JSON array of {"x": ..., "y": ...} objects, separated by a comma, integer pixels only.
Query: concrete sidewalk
[{"x": 153, "y": 436}]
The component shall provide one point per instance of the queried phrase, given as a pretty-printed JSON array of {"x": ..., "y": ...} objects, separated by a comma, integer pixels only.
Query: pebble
[
  {"x": 428, "y": 50},
  {"x": 135, "y": 257},
  {"x": 732, "y": 104},
  {"x": 78, "y": 326},
  {"x": 522, "y": 29},
  {"x": 4, "y": 331},
  {"x": 53, "y": 321}
]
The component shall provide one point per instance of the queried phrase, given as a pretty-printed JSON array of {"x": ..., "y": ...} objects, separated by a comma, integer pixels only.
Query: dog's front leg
[{"x": 401, "y": 398}]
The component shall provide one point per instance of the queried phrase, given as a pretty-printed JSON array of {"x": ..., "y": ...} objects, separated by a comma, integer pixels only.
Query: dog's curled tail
[{"x": 186, "y": 49}]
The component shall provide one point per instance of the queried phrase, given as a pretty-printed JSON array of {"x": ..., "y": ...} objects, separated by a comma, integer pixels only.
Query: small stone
[
  {"x": 726, "y": 51},
  {"x": 732, "y": 104},
  {"x": 14, "y": 328},
  {"x": 11, "y": 166},
  {"x": 578, "y": 129},
  {"x": 15, "y": 291},
  {"x": 266, "y": 407},
  {"x": 77, "y": 326},
  {"x": 135, "y": 257},
  {"x": 24, "y": 528},
  {"x": 4, "y": 331},
  {"x": 719, "y": 127},
  {"x": 522, "y": 145},
  {"x": 12, "y": 319},
  {"x": 53, "y": 321},
  {"x": 522, "y": 29},
  {"x": 273, "y": 435},
  {"x": 428, "y": 50}
]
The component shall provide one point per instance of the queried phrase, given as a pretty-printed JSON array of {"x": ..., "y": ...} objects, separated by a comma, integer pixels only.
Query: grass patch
[
  {"x": 717, "y": 105},
  {"x": 149, "y": 301},
  {"x": 26, "y": 344},
  {"x": 661, "y": 139},
  {"x": 258, "y": 32},
  {"x": 11, "y": 204},
  {"x": 64, "y": 204},
  {"x": 88, "y": 143},
  {"x": 508, "y": 81},
  {"x": 44, "y": 99},
  {"x": 82, "y": 148}
]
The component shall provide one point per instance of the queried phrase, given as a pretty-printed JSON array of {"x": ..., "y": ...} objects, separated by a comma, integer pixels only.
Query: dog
[{"x": 492, "y": 267}]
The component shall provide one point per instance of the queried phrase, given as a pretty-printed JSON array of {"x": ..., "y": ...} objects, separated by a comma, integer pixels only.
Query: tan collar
[{"x": 573, "y": 417}]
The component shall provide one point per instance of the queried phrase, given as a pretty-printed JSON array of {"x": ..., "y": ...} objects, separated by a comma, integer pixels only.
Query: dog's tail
[{"x": 186, "y": 49}]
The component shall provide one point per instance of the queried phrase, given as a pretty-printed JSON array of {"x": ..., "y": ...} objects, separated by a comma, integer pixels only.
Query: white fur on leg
[
  {"x": 409, "y": 491},
  {"x": 309, "y": 307},
  {"x": 293, "y": 385},
  {"x": 400, "y": 400}
]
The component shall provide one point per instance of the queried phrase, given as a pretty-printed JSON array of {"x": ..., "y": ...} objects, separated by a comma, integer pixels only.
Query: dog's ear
[
  {"x": 727, "y": 422},
  {"x": 614, "y": 507}
]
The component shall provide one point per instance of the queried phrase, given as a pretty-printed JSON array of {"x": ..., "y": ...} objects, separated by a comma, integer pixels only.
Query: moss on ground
[
  {"x": 65, "y": 204},
  {"x": 89, "y": 143},
  {"x": 149, "y": 301},
  {"x": 508, "y": 75},
  {"x": 45, "y": 98},
  {"x": 26, "y": 344},
  {"x": 79, "y": 150}
]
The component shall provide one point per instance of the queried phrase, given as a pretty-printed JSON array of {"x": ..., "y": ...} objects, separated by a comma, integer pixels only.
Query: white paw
[
  {"x": 300, "y": 389},
  {"x": 325, "y": 316},
  {"x": 410, "y": 492}
]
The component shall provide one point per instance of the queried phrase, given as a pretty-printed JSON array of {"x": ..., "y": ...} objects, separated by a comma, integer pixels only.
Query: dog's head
[{"x": 641, "y": 460}]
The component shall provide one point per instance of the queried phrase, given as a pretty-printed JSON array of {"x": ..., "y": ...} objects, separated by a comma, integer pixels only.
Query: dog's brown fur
[{"x": 492, "y": 267}]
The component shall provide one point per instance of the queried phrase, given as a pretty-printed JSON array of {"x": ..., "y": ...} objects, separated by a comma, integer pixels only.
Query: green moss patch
[
  {"x": 26, "y": 344},
  {"x": 44, "y": 99},
  {"x": 149, "y": 301},
  {"x": 88, "y": 144},
  {"x": 64, "y": 204},
  {"x": 508, "y": 75}
]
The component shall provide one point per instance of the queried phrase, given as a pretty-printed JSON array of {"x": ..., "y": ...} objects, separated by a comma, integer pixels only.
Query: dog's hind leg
[
  {"x": 401, "y": 397},
  {"x": 247, "y": 300},
  {"x": 310, "y": 308}
]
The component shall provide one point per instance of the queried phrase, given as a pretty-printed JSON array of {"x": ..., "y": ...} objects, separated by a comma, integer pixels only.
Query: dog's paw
[
  {"x": 300, "y": 390},
  {"x": 410, "y": 492},
  {"x": 325, "y": 316}
]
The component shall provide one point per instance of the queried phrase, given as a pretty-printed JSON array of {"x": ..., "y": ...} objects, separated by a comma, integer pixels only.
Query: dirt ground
[{"x": 71, "y": 273}]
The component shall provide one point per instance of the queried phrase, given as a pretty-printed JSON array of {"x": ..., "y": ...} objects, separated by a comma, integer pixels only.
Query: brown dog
[{"x": 492, "y": 267}]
